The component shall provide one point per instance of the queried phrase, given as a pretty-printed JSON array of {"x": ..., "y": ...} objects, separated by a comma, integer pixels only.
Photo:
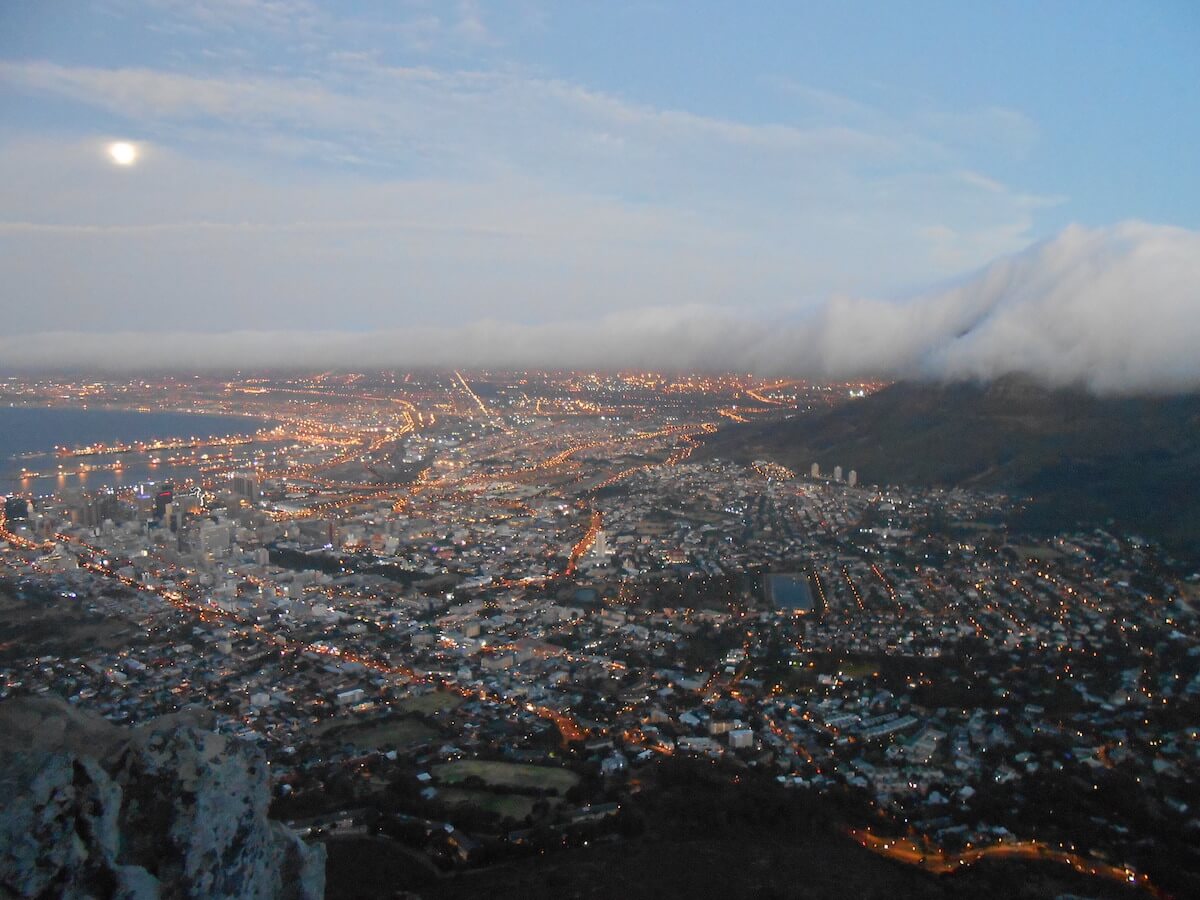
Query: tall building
[
  {"x": 853, "y": 479},
  {"x": 837, "y": 473},
  {"x": 16, "y": 508},
  {"x": 163, "y": 499},
  {"x": 90, "y": 510},
  {"x": 815, "y": 471},
  {"x": 245, "y": 484}
]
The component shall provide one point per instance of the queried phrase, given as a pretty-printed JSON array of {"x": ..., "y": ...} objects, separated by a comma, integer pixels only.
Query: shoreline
[{"x": 13, "y": 464}]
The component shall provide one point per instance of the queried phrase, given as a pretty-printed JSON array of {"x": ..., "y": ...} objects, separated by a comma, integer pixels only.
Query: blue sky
[{"x": 367, "y": 165}]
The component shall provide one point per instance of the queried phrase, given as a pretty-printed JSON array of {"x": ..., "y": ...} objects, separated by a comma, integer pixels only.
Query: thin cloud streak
[
  {"x": 363, "y": 97},
  {"x": 115, "y": 230}
]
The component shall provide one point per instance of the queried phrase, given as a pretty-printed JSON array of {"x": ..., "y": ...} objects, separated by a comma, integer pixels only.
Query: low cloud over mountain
[{"x": 1114, "y": 309}]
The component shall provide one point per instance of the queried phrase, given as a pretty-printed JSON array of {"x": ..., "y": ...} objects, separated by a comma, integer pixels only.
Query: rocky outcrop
[{"x": 168, "y": 810}]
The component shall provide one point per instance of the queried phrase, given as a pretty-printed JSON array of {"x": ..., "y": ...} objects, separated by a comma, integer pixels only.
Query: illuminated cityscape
[{"x": 454, "y": 580}]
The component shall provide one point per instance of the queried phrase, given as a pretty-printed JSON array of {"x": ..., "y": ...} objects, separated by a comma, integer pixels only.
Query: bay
[{"x": 29, "y": 436}]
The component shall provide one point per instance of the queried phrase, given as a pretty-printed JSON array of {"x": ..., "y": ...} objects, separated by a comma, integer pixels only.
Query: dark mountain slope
[{"x": 1134, "y": 461}]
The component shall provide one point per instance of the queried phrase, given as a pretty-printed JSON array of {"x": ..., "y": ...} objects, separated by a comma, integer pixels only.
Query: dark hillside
[{"x": 1132, "y": 461}]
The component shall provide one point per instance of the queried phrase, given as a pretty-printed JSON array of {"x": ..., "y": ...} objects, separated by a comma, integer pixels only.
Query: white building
[{"x": 741, "y": 739}]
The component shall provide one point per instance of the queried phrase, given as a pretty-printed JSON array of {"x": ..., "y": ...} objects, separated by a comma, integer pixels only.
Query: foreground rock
[{"x": 88, "y": 809}]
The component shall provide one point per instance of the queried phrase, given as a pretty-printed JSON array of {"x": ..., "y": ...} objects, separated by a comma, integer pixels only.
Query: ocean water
[{"x": 29, "y": 435}]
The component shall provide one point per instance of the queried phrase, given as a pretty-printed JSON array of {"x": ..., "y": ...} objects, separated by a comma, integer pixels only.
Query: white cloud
[
  {"x": 1114, "y": 309},
  {"x": 986, "y": 129},
  {"x": 232, "y": 15}
]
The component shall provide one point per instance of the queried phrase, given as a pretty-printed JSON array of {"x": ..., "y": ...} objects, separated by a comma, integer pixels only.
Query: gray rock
[{"x": 169, "y": 810}]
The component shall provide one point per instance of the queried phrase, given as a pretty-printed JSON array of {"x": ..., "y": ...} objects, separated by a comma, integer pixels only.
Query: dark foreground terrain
[{"x": 700, "y": 835}]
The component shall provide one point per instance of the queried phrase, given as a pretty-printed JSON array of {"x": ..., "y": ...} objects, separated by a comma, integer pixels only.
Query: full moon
[{"x": 123, "y": 153}]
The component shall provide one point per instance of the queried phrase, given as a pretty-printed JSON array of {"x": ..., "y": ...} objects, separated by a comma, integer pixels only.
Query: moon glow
[{"x": 123, "y": 153}]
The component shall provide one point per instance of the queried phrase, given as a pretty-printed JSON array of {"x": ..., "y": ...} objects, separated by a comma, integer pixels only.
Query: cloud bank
[{"x": 1114, "y": 309}]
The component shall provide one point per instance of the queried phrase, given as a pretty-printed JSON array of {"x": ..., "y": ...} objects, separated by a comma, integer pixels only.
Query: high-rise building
[
  {"x": 853, "y": 479},
  {"x": 16, "y": 508},
  {"x": 815, "y": 471},
  {"x": 90, "y": 510},
  {"x": 245, "y": 484},
  {"x": 164, "y": 497},
  {"x": 837, "y": 473}
]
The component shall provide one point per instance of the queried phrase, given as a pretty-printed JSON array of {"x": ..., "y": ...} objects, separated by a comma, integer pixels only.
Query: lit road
[
  {"x": 487, "y": 413},
  {"x": 934, "y": 859},
  {"x": 584, "y": 544}
]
